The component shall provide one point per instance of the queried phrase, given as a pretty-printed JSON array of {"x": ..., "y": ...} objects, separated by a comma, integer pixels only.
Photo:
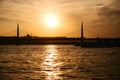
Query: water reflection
[
  {"x": 50, "y": 64},
  {"x": 59, "y": 62}
]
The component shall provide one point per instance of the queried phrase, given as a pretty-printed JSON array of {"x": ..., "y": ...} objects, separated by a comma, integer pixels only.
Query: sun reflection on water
[{"x": 50, "y": 65}]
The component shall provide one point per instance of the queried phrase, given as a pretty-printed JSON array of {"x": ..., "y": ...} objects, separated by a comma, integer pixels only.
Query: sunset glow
[{"x": 51, "y": 20}]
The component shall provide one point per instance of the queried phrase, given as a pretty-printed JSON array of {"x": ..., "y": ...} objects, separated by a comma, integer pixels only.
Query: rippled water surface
[{"x": 59, "y": 62}]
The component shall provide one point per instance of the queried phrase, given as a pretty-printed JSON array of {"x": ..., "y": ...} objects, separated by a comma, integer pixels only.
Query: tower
[
  {"x": 17, "y": 30},
  {"x": 82, "y": 34}
]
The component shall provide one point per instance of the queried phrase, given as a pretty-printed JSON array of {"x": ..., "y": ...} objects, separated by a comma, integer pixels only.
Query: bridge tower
[
  {"x": 18, "y": 30},
  {"x": 18, "y": 35},
  {"x": 82, "y": 33}
]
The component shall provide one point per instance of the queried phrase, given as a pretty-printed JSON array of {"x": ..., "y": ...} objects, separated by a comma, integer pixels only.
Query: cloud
[
  {"x": 71, "y": 10},
  {"x": 22, "y": 8},
  {"x": 111, "y": 13},
  {"x": 1, "y": 0},
  {"x": 4, "y": 19},
  {"x": 18, "y": 9},
  {"x": 68, "y": 1},
  {"x": 109, "y": 18}
]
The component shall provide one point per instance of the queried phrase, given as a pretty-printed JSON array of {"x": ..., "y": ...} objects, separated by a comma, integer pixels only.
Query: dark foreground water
[{"x": 59, "y": 62}]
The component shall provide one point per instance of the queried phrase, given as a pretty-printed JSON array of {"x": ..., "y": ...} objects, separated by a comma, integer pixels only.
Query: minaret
[{"x": 17, "y": 30}]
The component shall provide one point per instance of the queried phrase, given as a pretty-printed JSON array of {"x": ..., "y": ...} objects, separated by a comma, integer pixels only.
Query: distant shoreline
[{"x": 88, "y": 42}]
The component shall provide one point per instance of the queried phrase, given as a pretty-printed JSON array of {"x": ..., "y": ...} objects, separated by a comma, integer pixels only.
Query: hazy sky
[{"x": 101, "y": 17}]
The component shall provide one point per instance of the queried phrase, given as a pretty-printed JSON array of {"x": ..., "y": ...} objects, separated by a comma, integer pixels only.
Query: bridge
[
  {"x": 77, "y": 31},
  {"x": 80, "y": 41}
]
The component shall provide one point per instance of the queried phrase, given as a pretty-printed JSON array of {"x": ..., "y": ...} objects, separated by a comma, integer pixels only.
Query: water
[{"x": 59, "y": 62}]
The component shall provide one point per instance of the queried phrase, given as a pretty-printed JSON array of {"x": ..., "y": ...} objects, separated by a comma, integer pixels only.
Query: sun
[{"x": 51, "y": 20}]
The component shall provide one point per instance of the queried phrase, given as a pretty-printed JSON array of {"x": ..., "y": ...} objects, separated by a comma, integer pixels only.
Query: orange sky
[{"x": 101, "y": 17}]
